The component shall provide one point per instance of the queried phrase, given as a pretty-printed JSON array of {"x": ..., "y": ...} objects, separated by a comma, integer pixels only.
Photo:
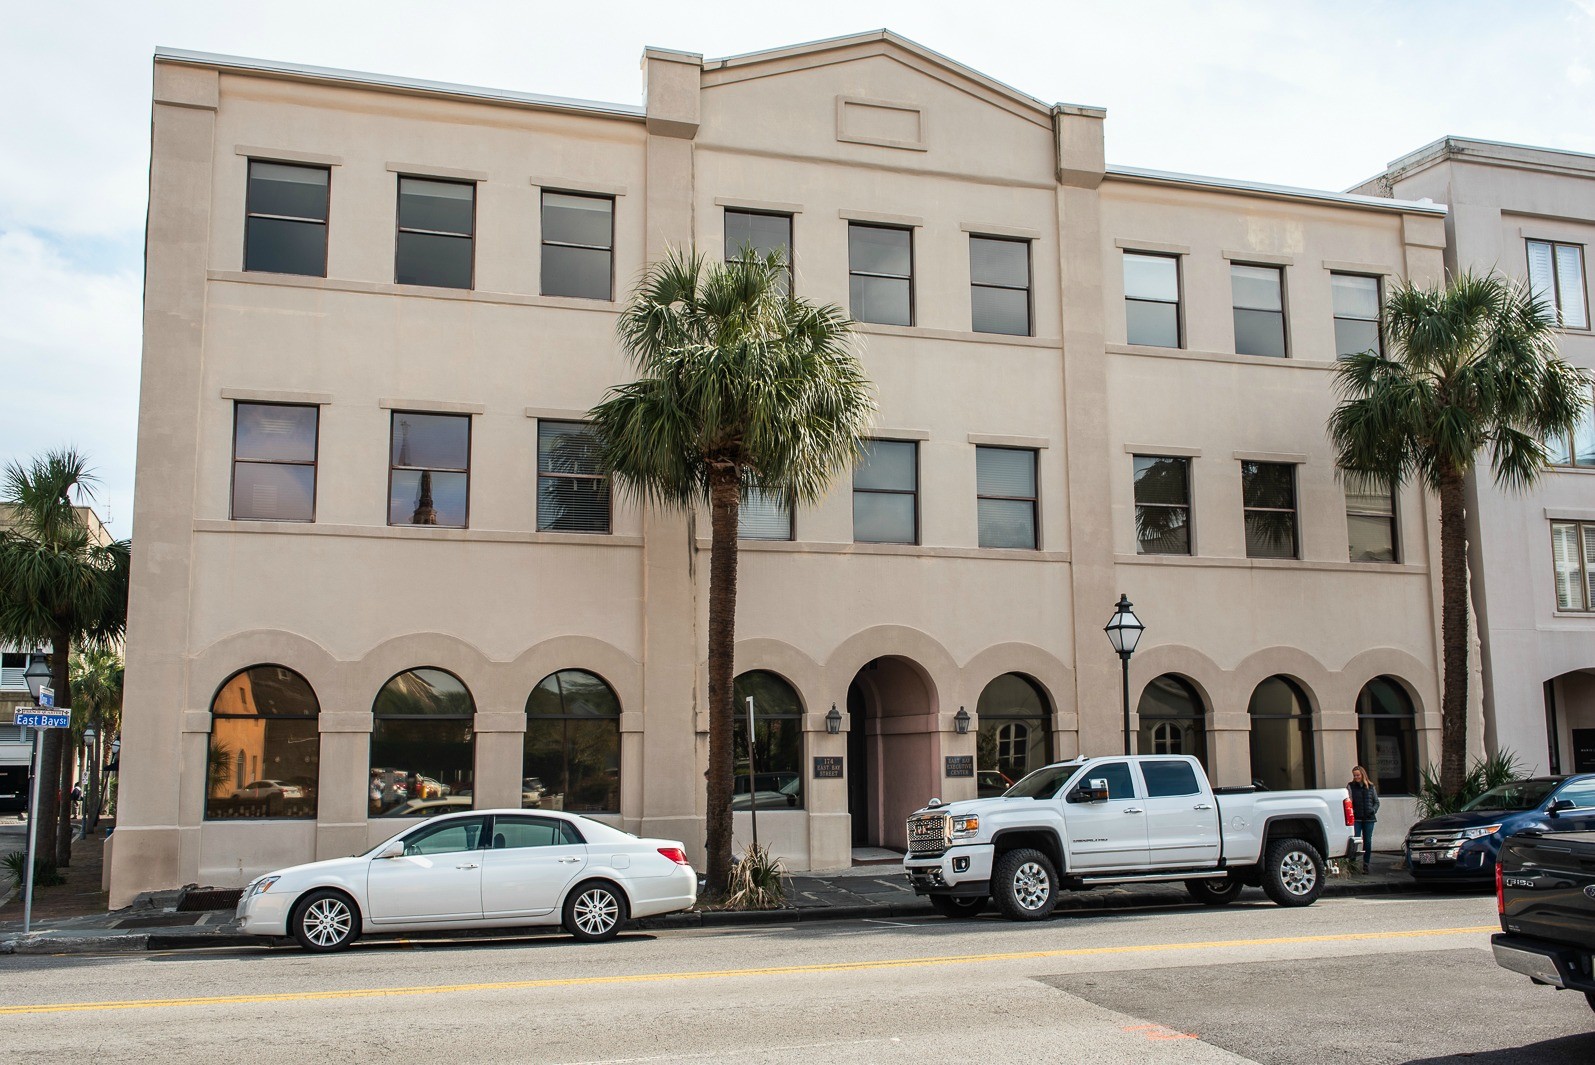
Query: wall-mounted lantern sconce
[
  {"x": 833, "y": 721},
  {"x": 961, "y": 721}
]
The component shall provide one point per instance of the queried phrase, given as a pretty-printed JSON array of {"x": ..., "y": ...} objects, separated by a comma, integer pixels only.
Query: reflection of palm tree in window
[
  {"x": 1161, "y": 507},
  {"x": 573, "y": 496}
]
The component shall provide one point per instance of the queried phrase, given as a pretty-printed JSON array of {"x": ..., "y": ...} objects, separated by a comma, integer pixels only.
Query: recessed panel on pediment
[{"x": 880, "y": 122}]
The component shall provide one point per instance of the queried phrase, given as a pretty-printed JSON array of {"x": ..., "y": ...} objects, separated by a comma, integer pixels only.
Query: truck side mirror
[{"x": 1556, "y": 808}]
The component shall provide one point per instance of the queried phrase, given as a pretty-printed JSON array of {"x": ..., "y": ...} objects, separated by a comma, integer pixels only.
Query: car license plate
[{"x": 1426, "y": 857}]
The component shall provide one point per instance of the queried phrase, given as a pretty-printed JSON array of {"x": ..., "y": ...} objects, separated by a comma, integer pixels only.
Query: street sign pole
[
  {"x": 33, "y": 831},
  {"x": 753, "y": 775}
]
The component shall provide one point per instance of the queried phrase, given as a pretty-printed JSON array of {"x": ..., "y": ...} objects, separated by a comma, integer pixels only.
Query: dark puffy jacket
[{"x": 1364, "y": 801}]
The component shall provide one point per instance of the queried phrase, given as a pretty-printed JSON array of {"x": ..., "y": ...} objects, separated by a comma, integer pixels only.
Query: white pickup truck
[{"x": 1126, "y": 818}]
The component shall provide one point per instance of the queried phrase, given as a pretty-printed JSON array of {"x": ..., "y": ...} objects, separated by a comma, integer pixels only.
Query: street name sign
[
  {"x": 46, "y": 697},
  {"x": 45, "y": 718}
]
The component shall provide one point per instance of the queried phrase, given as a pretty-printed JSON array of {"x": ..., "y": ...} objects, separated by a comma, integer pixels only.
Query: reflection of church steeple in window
[{"x": 425, "y": 513}]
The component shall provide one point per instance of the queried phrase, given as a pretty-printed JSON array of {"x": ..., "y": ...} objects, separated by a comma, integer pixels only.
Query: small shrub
[
  {"x": 1503, "y": 767},
  {"x": 757, "y": 881},
  {"x": 15, "y": 867}
]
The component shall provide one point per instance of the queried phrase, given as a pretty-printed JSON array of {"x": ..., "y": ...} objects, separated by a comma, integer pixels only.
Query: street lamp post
[
  {"x": 37, "y": 676},
  {"x": 1124, "y": 632}
]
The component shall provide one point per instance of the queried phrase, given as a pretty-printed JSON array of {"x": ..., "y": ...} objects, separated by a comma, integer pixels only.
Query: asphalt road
[{"x": 1360, "y": 981}]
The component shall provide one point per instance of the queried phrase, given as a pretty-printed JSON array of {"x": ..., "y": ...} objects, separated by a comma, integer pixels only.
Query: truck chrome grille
[{"x": 927, "y": 835}]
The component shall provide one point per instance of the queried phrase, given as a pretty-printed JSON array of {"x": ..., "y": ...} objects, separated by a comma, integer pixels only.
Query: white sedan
[{"x": 477, "y": 869}]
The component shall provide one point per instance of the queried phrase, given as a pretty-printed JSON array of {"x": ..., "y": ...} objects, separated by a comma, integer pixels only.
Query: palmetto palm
[
  {"x": 57, "y": 585},
  {"x": 97, "y": 695},
  {"x": 1473, "y": 368},
  {"x": 739, "y": 385}
]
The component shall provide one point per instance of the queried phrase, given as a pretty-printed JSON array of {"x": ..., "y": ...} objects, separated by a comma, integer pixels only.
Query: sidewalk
[{"x": 65, "y": 924}]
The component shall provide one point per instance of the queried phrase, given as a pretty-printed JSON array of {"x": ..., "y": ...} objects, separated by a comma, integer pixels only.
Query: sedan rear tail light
[
  {"x": 1351, "y": 817},
  {"x": 675, "y": 854}
]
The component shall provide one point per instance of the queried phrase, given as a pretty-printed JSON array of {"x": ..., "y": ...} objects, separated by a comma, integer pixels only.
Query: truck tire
[
  {"x": 1024, "y": 884},
  {"x": 1293, "y": 872},
  {"x": 1589, "y": 996},
  {"x": 958, "y": 905},
  {"x": 1214, "y": 892}
]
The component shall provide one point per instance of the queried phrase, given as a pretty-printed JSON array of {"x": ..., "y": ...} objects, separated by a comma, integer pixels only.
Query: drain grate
[{"x": 208, "y": 899}]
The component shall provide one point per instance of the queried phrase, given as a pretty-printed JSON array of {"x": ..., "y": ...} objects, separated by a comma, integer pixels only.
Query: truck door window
[
  {"x": 1117, "y": 774},
  {"x": 1169, "y": 778}
]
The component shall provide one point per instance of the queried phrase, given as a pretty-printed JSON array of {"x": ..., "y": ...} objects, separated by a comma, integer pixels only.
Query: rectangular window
[
  {"x": 429, "y": 478},
  {"x": 1573, "y": 555},
  {"x": 881, "y": 273},
  {"x": 578, "y": 246},
  {"x": 274, "y": 462},
  {"x": 1357, "y": 320},
  {"x": 1162, "y": 505},
  {"x": 886, "y": 493},
  {"x": 1578, "y": 449},
  {"x": 763, "y": 517},
  {"x": 1005, "y": 496},
  {"x": 437, "y": 223},
  {"x": 1556, "y": 277},
  {"x": 1268, "y": 493},
  {"x": 572, "y": 491},
  {"x": 760, "y": 233},
  {"x": 999, "y": 286},
  {"x": 1259, "y": 293},
  {"x": 1370, "y": 518},
  {"x": 285, "y": 223},
  {"x": 1152, "y": 300}
]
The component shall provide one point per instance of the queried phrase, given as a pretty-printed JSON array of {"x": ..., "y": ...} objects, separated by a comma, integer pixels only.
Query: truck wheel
[
  {"x": 956, "y": 906},
  {"x": 1025, "y": 885},
  {"x": 1589, "y": 996},
  {"x": 1214, "y": 892},
  {"x": 1293, "y": 872}
]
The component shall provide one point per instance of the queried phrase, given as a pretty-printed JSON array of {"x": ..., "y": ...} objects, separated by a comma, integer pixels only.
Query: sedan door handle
[
  {"x": 1134, "y": 810},
  {"x": 471, "y": 866},
  {"x": 1202, "y": 806},
  {"x": 570, "y": 858}
]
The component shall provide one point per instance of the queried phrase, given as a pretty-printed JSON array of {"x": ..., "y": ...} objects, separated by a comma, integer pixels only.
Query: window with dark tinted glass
[
  {"x": 274, "y": 462},
  {"x": 1162, "y": 505},
  {"x": 437, "y": 223},
  {"x": 423, "y": 746},
  {"x": 285, "y": 228},
  {"x": 999, "y": 285},
  {"x": 1356, "y": 304},
  {"x": 1259, "y": 293},
  {"x": 1117, "y": 774},
  {"x": 1556, "y": 277},
  {"x": 1370, "y": 518},
  {"x": 886, "y": 493},
  {"x": 763, "y": 516},
  {"x": 514, "y": 833},
  {"x": 430, "y": 476},
  {"x": 1169, "y": 778},
  {"x": 1005, "y": 496},
  {"x": 759, "y": 234},
  {"x": 578, "y": 245},
  {"x": 571, "y": 751},
  {"x": 881, "y": 273},
  {"x": 1152, "y": 300},
  {"x": 572, "y": 491},
  {"x": 1268, "y": 491},
  {"x": 775, "y": 782}
]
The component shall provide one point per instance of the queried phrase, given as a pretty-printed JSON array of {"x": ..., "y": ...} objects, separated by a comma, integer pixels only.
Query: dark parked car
[
  {"x": 1545, "y": 891},
  {"x": 1461, "y": 847}
]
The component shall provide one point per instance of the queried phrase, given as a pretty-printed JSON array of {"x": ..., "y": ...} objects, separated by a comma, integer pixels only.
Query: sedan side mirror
[
  {"x": 1556, "y": 808},
  {"x": 395, "y": 850}
]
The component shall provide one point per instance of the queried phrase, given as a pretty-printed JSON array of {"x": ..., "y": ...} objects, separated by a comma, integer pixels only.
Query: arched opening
[
  {"x": 891, "y": 770},
  {"x": 1570, "y": 721},
  {"x": 1173, "y": 718},
  {"x": 1015, "y": 735},
  {"x": 1282, "y": 736},
  {"x": 1387, "y": 736},
  {"x": 264, "y": 756},
  {"x": 776, "y": 781},
  {"x": 423, "y": 748},
  {"x": 570, "y": 758}
]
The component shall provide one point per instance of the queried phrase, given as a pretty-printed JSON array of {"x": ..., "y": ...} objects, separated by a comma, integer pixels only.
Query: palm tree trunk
[
  {"x": 60, "y": 665},
  {"x": 91, "y": 794},
  {"x": 1454, "y": 632},
  {"x": 724, "y": 498}
]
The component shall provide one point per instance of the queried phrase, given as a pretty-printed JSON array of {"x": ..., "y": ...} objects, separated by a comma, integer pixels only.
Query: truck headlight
[
  {"x": 966, "y": 826},
  {"x": 261, "y": 886},
  {"x": 1480, "y": 832}
]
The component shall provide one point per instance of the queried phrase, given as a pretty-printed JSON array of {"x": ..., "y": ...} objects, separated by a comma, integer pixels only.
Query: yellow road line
[{"x": 781, "y": 970}]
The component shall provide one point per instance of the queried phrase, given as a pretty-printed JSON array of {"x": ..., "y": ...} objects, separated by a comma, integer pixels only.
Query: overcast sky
[{"x": 1314, "y": 94}]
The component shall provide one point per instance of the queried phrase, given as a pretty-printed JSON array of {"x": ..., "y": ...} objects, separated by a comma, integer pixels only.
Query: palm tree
[
  {"x": 1473, "y": 367},
  {"x": 57, "y": 585},
  {"x": 97, "y": 690},
  {"x": 740, "y": 385}
]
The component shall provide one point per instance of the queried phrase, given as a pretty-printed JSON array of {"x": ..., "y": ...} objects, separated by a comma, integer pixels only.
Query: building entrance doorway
[{"x": 891, "y": 750}]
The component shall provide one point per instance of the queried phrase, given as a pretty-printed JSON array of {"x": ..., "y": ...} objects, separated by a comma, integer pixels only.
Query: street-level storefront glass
[
  {"x": 777, "y": 780},
  {"x": 571, "y": 757},
  {"x": 1282, "y": 736},
  {"x": 1386, "y": 736},
  {"x": 264, "y": 756},
  {"x": 422, "y": 749},
  {"x": 1015, "y": 735},
  {"x": 1173, "y": 718}
]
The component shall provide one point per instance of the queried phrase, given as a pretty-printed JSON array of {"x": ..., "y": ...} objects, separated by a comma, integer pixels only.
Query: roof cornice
[{"x": 1275, "y": 192}]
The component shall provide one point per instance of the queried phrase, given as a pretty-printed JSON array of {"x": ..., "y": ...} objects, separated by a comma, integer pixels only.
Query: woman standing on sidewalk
[{"x": 1364, "y": 810}]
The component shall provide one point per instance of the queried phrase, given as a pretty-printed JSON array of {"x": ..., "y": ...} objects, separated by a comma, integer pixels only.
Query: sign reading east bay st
[{"x": 45, "y": 718}]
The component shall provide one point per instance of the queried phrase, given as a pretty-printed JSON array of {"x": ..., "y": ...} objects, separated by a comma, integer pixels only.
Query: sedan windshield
[
  {"x": 1518, "y": 795},
  {"x": 1044, "y": 783}
]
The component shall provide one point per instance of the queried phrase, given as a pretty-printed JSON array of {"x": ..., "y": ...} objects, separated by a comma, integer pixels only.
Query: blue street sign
[
  {"x": 46, "y": 697},
  {"x": 44, "y": 718}
]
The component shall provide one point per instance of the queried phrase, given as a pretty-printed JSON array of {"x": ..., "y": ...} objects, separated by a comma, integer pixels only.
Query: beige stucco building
[{"x": 377, "y": 310}]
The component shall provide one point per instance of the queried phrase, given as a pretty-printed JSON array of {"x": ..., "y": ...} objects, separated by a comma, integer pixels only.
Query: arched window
[
  {"x": 422, "y": 750},
  {"x": 1173, "y": 718},
  {"x": 264, "y": 759},
  {"x": 1015, "y": 735},
  {"x": 1386, "y": 736},
  {"x": 777, "y": 782},
  {"x": 571, "y": 758},
  {"x": 1282, "y": 736}
]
